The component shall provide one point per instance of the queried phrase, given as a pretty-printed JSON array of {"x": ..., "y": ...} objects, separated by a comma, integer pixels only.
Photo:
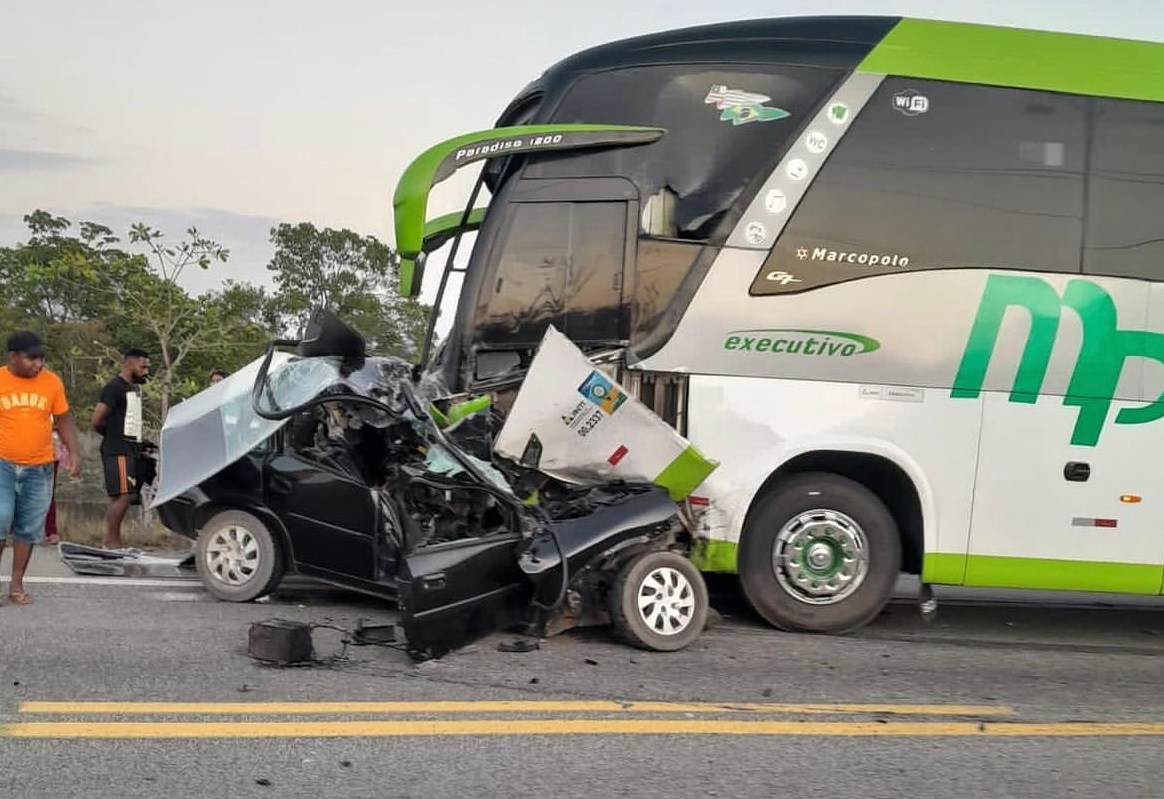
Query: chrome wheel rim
[
  {"x": 820, "y": 557},
  {"x": 232, "y": 555},
  {"x": 666, "y": 601}
]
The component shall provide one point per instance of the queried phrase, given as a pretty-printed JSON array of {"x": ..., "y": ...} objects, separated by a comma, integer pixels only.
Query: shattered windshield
[
  {"x": 298, "y": 382},
  {"x": 696, "y": 173}
]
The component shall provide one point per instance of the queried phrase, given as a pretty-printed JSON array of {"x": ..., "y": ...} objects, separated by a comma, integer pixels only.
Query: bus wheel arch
[{"x": 825, "y": 539}]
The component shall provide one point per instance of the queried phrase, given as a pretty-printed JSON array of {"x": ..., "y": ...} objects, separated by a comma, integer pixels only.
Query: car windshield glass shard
[
  {"x": 438, "y": 460},
  {"x": 212, "y": 430}
]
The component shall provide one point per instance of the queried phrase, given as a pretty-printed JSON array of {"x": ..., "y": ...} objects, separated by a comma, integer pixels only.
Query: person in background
[
  {"x": 217, "y": 376},
  {"x": 118, "y": 419},
  {"x": 31, "y": 397}
]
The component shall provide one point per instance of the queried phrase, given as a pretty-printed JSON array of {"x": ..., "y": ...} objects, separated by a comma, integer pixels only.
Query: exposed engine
[{"x": 395, "y": 453}]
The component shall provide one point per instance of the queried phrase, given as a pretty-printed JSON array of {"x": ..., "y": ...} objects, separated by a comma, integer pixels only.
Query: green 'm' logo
[{"x": 1097, "y": 368}]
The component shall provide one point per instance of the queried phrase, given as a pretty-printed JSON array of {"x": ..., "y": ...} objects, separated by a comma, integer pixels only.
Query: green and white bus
[{"x": 903, "y": 279}]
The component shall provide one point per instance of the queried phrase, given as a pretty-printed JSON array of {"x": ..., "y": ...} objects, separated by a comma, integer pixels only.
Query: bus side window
[
  {"x": 1125, "y": 207},
  {"x": 691, "y": 180},
  {"x": 936, "y": 175}
]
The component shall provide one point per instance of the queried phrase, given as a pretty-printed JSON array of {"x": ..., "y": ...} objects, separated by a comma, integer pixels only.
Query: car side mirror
[{"x": 328, "y": 335}]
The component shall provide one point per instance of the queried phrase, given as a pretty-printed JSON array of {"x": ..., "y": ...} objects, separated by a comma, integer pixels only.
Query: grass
[
  {"x": 84, "y": 523},
  {"x": 81, "y": 508}
]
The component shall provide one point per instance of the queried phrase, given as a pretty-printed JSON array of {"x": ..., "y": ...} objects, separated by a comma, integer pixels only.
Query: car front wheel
[
  {"x": 659, "y": 601},
  {"x": 238, "y": 557}
]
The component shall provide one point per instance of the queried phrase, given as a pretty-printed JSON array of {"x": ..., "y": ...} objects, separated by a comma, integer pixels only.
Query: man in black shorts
[{"x": 118, "y": 418}]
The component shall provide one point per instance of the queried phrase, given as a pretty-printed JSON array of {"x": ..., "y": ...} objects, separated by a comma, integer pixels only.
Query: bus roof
[
  {"x": 1020, "y": 58},
  {"x": 909, "y": 47}
]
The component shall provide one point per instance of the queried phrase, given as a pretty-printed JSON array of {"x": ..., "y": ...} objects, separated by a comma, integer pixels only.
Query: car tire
[
  {"x": 238, "y": 558},
  {"x": 819, "y": 553},
  {"x": 659, "y": 601}
]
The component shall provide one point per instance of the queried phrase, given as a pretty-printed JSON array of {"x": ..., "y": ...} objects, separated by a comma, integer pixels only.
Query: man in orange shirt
[{"x": 30, "y": 397}]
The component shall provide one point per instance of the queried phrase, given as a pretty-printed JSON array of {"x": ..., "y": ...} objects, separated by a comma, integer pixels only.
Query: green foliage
[
  {"x": 354, "y": 276},
  {"x": 91, "y": 297}
]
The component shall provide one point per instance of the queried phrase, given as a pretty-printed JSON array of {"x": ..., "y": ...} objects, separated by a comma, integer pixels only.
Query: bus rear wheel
[{"x": 820, "y": 553}]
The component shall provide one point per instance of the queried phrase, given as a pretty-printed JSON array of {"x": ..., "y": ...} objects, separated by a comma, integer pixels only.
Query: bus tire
[
  {"x": 659, "y": 601},
  {"x": 819, "y": 553}
]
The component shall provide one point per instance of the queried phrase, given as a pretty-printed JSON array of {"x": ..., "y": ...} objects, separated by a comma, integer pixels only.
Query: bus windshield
[{"x": 439, "y": 162}]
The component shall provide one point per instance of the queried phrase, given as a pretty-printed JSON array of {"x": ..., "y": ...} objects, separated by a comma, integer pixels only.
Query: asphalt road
[{"x": 123, "y": 689}]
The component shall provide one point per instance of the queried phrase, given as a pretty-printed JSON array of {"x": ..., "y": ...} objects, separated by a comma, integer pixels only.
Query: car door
[
  {"x": 330, "y": 517},
  {"x": 461, "y": 573},
  {"x": 446, "y": 591}
]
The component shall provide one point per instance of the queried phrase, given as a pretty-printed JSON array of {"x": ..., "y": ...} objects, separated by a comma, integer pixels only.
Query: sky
[{"x": 233, "y": 116}]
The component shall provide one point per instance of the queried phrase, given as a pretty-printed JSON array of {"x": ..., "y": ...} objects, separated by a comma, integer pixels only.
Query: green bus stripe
[
  {"x": 991, "y": 571},
  {"x": 943, "y": 569},
  {"x": 1058, "y": 62},
  {"x": 684, "y": 474},
  {"x": 710, "y": 555}
]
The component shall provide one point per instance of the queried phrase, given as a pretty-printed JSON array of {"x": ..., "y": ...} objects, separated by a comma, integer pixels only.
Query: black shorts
[{"x": 121, "y": 474}]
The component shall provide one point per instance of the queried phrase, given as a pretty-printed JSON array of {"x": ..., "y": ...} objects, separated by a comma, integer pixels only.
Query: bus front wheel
[{"x": 819, "y": 553}]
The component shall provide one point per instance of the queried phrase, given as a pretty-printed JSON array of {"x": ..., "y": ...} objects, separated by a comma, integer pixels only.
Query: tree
[
  {"x": 150, "y": 296},
  {"x": 355, "y": 276},
  {"x": 240, "y": 321},
  {"x": 55, "y": 277},
  {"x": 92, "y": 297},
  {"x": 55, "y": 283}
]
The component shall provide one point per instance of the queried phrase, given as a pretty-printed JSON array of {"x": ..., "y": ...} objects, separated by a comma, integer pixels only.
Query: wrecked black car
[{"x": 352, "y": 469}]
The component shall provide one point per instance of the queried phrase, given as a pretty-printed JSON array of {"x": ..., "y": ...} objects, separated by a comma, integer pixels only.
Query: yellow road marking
[
  {"x": 481, "y": 727},
  {"x": 411, "y": 708}
]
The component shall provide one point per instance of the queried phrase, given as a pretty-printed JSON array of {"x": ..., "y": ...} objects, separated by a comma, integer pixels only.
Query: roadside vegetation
[{"x": 92, "y": 293}]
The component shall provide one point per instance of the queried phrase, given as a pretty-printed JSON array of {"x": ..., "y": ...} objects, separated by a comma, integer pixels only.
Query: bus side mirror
[{"x": 411, "y": 276}]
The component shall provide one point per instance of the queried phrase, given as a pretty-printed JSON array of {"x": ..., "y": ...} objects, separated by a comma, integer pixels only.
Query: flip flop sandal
[{"x": 19, "y": 598}]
